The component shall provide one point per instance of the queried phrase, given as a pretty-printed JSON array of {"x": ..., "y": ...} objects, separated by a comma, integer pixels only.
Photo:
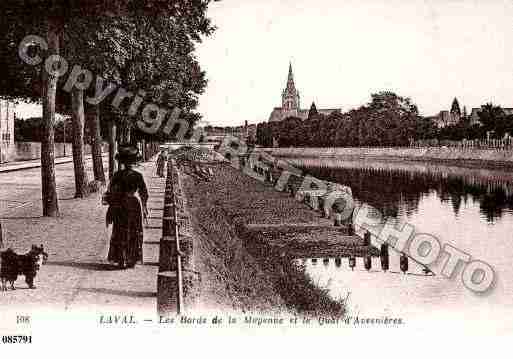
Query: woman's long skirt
[{"x": 127, "y": 232}]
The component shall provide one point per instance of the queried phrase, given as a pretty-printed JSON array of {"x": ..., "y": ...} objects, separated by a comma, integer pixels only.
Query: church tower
[
  {"x": 291, "y": 106},
  {"x": 290, "y": 96}
]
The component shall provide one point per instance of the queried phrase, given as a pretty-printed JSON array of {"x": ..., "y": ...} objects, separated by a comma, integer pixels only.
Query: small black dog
[{"x": 12, "y": 265}]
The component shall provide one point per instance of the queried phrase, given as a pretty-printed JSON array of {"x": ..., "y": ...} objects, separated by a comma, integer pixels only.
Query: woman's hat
[{"x": 128, "y": 154}]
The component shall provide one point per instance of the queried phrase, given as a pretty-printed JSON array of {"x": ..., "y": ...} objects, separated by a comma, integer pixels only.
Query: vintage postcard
[{"x": 174, "y": 169}]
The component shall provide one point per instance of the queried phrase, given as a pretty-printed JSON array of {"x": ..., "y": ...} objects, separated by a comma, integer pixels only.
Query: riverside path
[{"x": 77, "y": 276}]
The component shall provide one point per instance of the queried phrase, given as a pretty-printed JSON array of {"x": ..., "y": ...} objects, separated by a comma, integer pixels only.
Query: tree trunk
[
  {"x": 77, "y": 103},
  {"x": 96, "y": 144},
  {"x": 124, "y": 137},
  {"x": 48, "y": 186},
  {"x": 112, "y": 148},
  {"x": 143, "y": 150}
]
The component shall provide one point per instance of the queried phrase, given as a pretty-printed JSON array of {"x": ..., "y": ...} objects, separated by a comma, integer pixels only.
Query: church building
[{"x": 291, "y": 105}]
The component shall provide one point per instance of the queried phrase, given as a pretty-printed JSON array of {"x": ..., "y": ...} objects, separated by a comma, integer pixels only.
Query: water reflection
[
  {"x": 396, "y": 191},
  {"x": 468, "y": 208}
]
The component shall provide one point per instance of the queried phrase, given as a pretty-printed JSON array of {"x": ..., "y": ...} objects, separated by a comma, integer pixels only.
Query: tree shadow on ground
[
  {"x": 125, "y": 293},
  {"x": 83, "y": 265}
]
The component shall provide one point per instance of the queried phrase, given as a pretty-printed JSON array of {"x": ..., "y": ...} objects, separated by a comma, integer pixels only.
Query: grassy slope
[{"x": 241, "y": 274}]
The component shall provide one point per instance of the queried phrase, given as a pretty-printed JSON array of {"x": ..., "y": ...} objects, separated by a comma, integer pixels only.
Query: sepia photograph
[{"x": 179, "y": 168}]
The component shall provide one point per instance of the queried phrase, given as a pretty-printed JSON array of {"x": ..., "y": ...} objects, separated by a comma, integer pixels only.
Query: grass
[{"x": 246, "y": 272}]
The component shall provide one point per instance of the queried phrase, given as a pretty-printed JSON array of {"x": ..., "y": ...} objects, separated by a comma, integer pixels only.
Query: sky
[{"x": 344, "y": 50}]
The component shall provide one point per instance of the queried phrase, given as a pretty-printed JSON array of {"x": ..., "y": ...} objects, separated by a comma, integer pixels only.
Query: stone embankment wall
[
  {"x": 176, "y": 274},
  {"x": 498, "y": 156}
]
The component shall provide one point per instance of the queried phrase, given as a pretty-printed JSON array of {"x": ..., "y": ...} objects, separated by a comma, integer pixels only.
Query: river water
[{"x": 468, "y": 208}]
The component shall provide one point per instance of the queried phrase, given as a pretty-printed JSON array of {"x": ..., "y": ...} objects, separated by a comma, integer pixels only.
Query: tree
[
  {"x": 53, "y": 18},
  {"x": 493, "y": 119},
  {"x": 388, "y": 120},
  {"x": 392, "y": 119},
  {"x": 81, "y": 188},
  {"x": 96, "y": 144},
  {"x": 286, "y": 134},
  {"x": 155, "y": 58},
  {"x": 425, "y": 129},
  {"x": 49, "y": 86}
]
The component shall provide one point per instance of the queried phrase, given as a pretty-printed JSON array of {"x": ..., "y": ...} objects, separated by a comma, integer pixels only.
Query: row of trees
[
  {"x": 387, "y": 120},
  {"x": 144, "y": 46},
  {"x": 30, "y": 130}
]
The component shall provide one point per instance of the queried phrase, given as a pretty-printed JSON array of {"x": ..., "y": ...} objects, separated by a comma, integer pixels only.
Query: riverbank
[
  {"x": 468, "y": 157},
  {"x": 249, "y": 234}
]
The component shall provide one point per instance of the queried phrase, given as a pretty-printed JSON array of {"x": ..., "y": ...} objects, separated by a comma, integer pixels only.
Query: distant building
[
  {"x": 6, "y": 128},
  {"x": 448, "y": 118},
  {"x": 474, "y": 114},
  {"x": 291, "y": 104}
]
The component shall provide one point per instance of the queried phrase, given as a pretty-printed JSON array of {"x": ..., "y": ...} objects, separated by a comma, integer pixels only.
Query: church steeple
[
  {"x": 290, "y": 80},
  {"x": 290, "y": 95}
]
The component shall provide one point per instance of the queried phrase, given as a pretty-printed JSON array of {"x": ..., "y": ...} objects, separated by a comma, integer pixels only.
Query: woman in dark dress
[{"x": 125, "y": 212}]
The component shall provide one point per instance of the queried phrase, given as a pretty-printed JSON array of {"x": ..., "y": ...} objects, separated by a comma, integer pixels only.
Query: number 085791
[{"x": 16, "y": 339}]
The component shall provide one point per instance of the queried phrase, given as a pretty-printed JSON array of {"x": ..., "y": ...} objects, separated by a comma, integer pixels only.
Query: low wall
[
  {"x": 25, "y": 151},
  {"x": 426, "y": 153}
]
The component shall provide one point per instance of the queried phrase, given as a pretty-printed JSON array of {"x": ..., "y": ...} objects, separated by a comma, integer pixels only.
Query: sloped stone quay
[{"x": 248, "y": 235}]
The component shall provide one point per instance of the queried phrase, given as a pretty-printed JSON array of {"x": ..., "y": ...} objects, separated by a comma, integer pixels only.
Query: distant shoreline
[{"x": 468, "y": 158}]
